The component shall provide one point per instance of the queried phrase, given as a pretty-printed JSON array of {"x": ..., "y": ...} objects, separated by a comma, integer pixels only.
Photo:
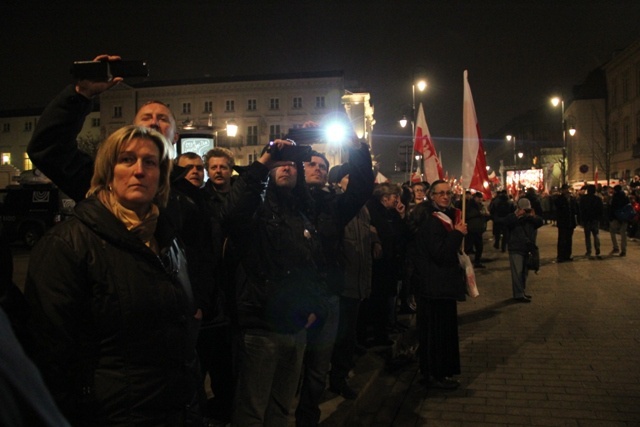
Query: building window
[
  {"x": 252, "y": 135},
  {"x": 28, "y": 126},
  {"x": 274, "y": 132},
  {"x": 27, "y": 165},
  {"x": 208, "y": 106},
  {"x": 614, "y": 92},
  {"x": 297, "y": 103},
  {"x": 638, "y": 128},
  {"x": 320, "y": 102},
  {"x": 6, "y": 158},
  {"x": 626, "y": 128},
  {"x": 252, "y": 105},
  {"x": 117, "y": 111},
  {"x": 186, "y": 108},
  {"x": 274, "y": 104},
  {"x": 6, "y": 127},
  {"x": 614, "y": 137},
  {"x": 229, "y": 106},
  {"x": 95, "y": 122}
]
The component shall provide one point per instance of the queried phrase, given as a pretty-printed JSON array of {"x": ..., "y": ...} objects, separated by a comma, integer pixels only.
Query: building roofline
[{"x": 232, "y": 79}]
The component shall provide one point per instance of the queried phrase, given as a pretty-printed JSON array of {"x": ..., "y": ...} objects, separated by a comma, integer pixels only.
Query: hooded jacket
[{"x": 112, "y": 321}]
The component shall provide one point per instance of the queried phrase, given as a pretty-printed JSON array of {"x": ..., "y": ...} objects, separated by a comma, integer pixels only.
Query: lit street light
[
  {"x": 515, "y": 161},
  {"x": 421, "y": 84},
  {"x": 555, "y": 101}
]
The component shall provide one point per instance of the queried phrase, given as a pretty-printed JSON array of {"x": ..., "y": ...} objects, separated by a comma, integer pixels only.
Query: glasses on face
[{"x": 443, "y": 193}]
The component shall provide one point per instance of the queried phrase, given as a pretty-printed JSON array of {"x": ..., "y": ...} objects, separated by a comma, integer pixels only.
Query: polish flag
[
  {"x": 423, "y": 145},
  {"x": 474, "y": 164}
]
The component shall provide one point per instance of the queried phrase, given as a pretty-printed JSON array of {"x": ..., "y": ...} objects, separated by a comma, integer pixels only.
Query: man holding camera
[
  {"x": 332, "y": 212},
  {"x": 522, "y": 225}
]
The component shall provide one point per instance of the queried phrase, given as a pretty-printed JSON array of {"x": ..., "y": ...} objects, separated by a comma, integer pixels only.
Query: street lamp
[
  {"x": 420, "y": 83},
  {"x": 555, "y": 101},
  {"x": 515, "y": 161}
]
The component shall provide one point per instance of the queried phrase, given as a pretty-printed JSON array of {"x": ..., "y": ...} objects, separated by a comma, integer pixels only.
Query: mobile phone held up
[{"x": 106, "y": 70}]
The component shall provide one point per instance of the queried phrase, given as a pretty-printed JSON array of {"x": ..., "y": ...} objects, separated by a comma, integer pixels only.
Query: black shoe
[
  {"x": 528, "y": 296},
  {"x": 615, "y": 251},
  {"x": 344, "y": 390},
  {"x": 623, "y": 253},
  {"x": 522, "y": 299}
]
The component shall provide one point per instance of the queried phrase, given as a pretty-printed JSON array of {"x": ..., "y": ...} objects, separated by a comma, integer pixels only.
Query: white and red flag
[
  {"x": 474, "y": 164},
  {"x": 422, "y": 144}
]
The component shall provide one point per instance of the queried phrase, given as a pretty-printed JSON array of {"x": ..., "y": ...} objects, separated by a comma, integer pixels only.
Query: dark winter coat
[
  {"x": 522, "y": 232},
  {"x": 394, "y": 236},
  {"x": 279, "y": 281},
  {"x": 436, "y": 254},
  {"x": 112, "y": 321}
]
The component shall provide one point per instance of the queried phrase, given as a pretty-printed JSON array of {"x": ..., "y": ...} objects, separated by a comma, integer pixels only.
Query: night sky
[{"x": 518, "y": 53}]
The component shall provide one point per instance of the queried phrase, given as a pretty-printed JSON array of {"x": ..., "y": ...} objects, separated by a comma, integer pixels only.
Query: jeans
[
  {"x": 616, "y": 226},
  {"x": 592, "y": 228},
  {"x": 317, "y": 362},
  {"x": 269, "y": 371},
  {"x": 519, "y": 272}
]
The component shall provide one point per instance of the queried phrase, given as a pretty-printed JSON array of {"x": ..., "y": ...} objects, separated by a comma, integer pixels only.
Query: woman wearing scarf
[
  {"x": 112, "y": 308},
  {"x": 439, "y": 233}
]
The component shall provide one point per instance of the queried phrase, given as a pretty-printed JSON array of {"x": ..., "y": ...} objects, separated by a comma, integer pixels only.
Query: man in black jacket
[
  {"x": 617, "y": 225},
  {"x": 591, "y": 209},
  {"x": 566, "y": 212},
  {"x": 332, "y": 213}
]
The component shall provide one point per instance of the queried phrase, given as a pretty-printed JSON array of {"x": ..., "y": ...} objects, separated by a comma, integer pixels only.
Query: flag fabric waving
[
  {"x": 474, "y": 164},
  {"x": 423, "y": 145}
]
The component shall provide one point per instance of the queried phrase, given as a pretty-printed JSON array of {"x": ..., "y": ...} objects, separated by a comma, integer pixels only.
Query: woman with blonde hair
[{"x": 111, "y": 300}]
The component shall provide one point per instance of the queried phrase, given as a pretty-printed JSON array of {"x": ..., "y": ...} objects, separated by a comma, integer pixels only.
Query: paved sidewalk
[{"x": 570, "y": 358}]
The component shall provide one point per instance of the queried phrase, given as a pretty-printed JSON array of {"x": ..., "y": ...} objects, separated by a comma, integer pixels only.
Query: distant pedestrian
[
  {"x": 591, "y": 210},
  {"x": 523, "y": 225},
  {"x": 566, "y": 212},
  {"x": 618, "y": 200},
  {"x": 499, "y": 208}
]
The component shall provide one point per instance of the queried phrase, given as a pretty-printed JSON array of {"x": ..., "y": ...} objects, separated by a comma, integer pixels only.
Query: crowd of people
[{"x": 266, "y": 279}]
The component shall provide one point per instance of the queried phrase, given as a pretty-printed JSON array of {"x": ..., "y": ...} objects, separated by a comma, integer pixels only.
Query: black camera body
[
  {"x": 292, "y": 153},
  {"x": 103, "y": 71},
  {"x": 306, "y": 136}
]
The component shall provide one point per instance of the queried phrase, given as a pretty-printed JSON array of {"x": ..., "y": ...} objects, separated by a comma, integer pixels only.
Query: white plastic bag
[{"x": 470, "y": 274}]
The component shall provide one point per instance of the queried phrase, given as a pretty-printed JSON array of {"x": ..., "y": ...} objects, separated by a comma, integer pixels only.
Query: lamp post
[
  {"x": 555, "y": 101},
  {"x": 421, "y": 84},
  {"x": 515, "y": 161}
]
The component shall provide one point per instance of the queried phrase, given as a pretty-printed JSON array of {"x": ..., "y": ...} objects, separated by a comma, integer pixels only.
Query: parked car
[{"x": 28, "y": 210}]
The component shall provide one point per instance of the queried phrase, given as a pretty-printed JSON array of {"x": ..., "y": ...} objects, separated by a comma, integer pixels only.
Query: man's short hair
[
  {"x": 220, "y": 152},
  {"x": 189, "y": 155}
]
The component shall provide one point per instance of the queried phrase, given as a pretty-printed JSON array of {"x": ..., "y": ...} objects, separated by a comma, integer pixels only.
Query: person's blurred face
[
  {"x": 136, "y": 175},
  {"x": 419, "y": 193},
  {"x": 390, "y": 201},
  {"x": 315, "y": 171},
  {"x": 195, "y": 173},
  {"x": 286, "y": 175},
  {"x": 219, "y": 172},
  {"x": 441, "y": 195},
  {"x": 158, "y": 117}
]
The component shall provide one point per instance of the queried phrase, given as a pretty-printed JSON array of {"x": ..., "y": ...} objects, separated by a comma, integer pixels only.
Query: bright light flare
[{"x": 335, "y": 132}]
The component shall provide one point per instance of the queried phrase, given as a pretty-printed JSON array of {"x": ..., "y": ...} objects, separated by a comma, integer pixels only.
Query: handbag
[
  {"x": 469, "y": 274},
  {"x": 532, "y": 260}
]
